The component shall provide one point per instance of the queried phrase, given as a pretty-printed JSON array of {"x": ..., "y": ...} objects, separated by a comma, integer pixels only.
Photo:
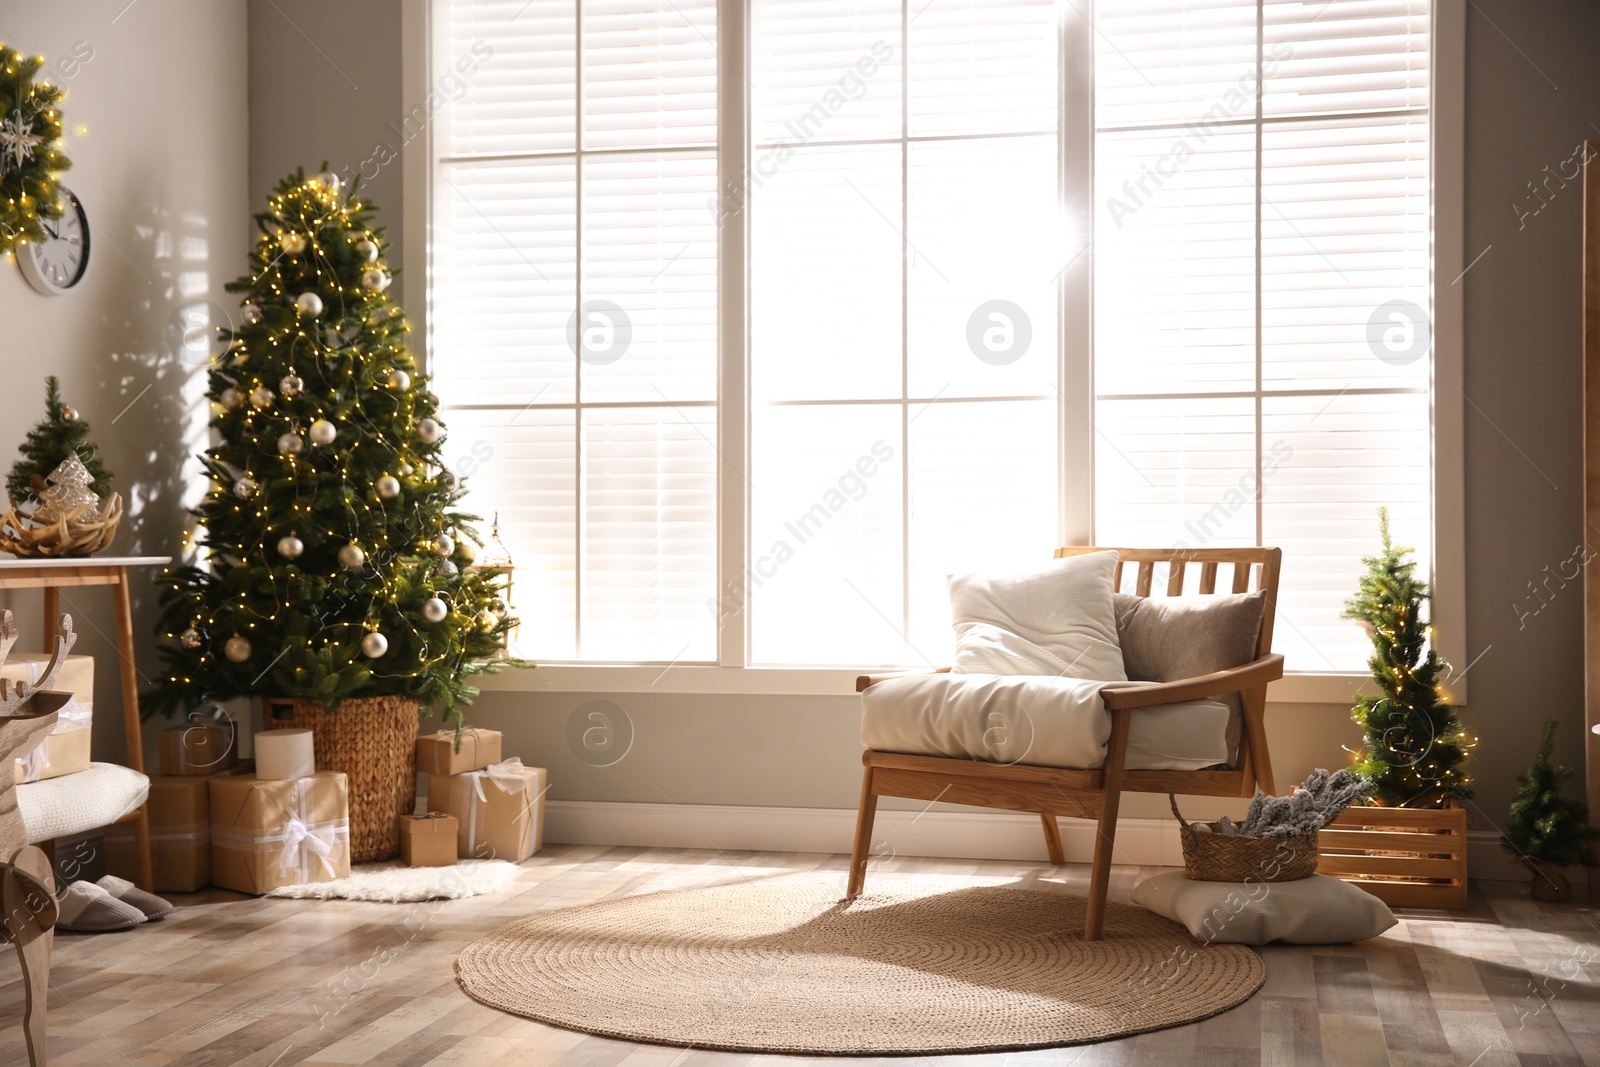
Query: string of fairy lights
[
  {"x": 346, "y": 334},
  {"x": 30, "y": 152}
]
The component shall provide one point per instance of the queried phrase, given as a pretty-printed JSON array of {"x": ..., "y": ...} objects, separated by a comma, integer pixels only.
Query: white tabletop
[{"x": 13, "y": 563}]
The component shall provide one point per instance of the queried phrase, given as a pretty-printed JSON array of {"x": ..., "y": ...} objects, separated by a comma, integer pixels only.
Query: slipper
[
  {"x": 155, "y": 909},
  {"x": 88, "y": 909}
]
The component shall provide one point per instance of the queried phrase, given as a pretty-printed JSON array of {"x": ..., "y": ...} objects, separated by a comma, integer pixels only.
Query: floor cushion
[
  {"x": 1308, "y": 911},
  {"x": 1034, "y": 719},
  {"x": 1052, "y": 620},
  {"x": 74, "y": 803}
]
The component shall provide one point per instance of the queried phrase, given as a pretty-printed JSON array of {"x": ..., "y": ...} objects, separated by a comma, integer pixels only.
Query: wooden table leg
[
  {"x": 144, "y": 877},
  {"x": 52, "y": 615},
  {"x": 25, "y": 891}
]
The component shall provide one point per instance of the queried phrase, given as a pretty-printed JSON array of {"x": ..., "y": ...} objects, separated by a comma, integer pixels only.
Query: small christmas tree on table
[
  {"x": 337, "y": 563},
  {"x": 1415, "y": 745},
  {"x": 1547, "y": 829},
  {"x": 61, "y": 498}
]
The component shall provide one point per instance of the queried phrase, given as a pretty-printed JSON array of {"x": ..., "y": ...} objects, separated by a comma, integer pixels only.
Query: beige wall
[{"x": 161, "y": 173}]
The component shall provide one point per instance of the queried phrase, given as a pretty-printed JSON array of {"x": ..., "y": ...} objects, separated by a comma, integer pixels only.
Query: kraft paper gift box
[
  {"x": 196, "y": 749},
  {"x": 180, "y": 834},
  {"x": 266, "y": 834},
  {"x": 500, "y": 808},
  {"x": 436, "y": 753},
  {"x": 428, "y": 840},
  {"x": 65, "y": 750}
]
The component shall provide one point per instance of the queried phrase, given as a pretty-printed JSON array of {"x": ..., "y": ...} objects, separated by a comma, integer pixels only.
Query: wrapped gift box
[
  {"x": 197, "y": 749},
  {"x": 500, "y": 809},
  {"x": 436, "y": 753},
  {"x": 266, "y": 834},
  {"x": 428, "y": 840},
  {"x": 180, "y": 834},
  {"x": 66, "y": 749}
]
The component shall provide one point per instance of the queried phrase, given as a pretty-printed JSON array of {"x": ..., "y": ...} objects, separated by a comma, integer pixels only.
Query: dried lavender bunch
[{"x": 1320, "y": 797}]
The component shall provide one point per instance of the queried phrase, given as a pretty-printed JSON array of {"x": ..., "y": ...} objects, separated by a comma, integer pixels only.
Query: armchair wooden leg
[
  {"x": 862, "y": 851},
  {"x": 26, "y": 890},
  {"x": 1052, "y": 838},
  {"x": 1105, "y": 836}
]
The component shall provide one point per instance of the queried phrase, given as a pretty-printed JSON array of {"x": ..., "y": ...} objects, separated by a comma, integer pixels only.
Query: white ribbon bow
[
  {"x": 509, "y": 775},
  {"x": 298, "y": 835}
]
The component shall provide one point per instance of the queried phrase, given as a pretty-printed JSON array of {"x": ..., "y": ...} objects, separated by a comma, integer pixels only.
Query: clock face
[{"x": 58, "y": 263}]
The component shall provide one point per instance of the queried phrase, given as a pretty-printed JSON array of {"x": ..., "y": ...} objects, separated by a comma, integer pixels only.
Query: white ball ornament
[
  {"x": 292, "y": 243},
  {"x": 406, "y": 468},
  {"x": 251, "y": 314},
  {"x": 399, "y": 379},
  {"x": 237, "y": 648},
  {"x": 375, "y": 280},
  {"x": 244, "y": 488},
  {"x": 388, "y": 487},
  {"x": 352, "y": 557},
  {"x": 190, "y": 638},
  {"x": 323, "y": 432},
  {"x": 429, "y": 431},
  {"x": 291, "y": 444},
  {"x": 374, "y": 645},
  {"x": 290, "y": 546},
  {"x": 329, "y": 181},
  {"x": 261, "y": 396},
  {"x": 310, "y": 303},
  {"x": 435, "y": 609},
  {"x": 368, "y": 250},
  {"x": 230, "y": 399},
  {"x": 444, "y": 544},
  {"x": 291, "y": 385}
]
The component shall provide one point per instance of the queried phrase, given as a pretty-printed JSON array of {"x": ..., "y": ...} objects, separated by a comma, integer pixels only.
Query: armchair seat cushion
[
  {"x": 1034, "y": 719},
  {"x": 74, "y": 803}
]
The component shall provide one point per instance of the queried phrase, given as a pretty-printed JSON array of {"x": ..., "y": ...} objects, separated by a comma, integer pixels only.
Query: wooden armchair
[{"x": 1095, "y": 794}]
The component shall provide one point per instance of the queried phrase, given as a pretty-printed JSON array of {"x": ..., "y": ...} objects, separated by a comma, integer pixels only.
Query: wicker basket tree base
[{"x": 373, "y": 741}]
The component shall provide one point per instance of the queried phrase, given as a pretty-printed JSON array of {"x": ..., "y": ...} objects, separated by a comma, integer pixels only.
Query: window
[
  {"x": 1262, "y": 280},
  {"x": 903, "y": 189}
]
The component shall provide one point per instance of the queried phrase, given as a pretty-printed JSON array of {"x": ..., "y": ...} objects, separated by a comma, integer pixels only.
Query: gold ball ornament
[
  {"x": 322, "y": 432},
  {"x": 310, "y": 303},
  {"x": 244, "y": 488},
  {"x": 328, "y": 180},
  {"x": 261, "y": 396},
  {"x": 486, "y": 621},
  {"x": 374, "y": 280},
  {"x": 429, "y": 431},
  {"x": 368, "y": 250},
  {"x": 388, "y": 486},
  {"x": 290, "y": 546},
  {"x": 291, "y": 444},
  {"x": 251, "y": 314},
  {"x": 399, "y": 379},
  {"x": 69, "y": 414},
  {"x": 291, "y": 243},
  {"x": 352, "y": 557},
  {"x": 434, "y": 609},
  {"x": 444, "y": 544},
  {"x": 230, "y": 399},
  {"x": 291, "y": 385},
  {"x": 237, "y": 648},
  {"x": 446, "y": 569},
  {"x": 190, "y": 639},
  {"x": 499, "y": 607}
]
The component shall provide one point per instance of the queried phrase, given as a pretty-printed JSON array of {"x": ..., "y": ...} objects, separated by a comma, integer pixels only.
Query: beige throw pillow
[
  {"x": 1309, "y": 911},
  {"x": 1170, "y": 638},
  {"x": 1055, "y": 620}
]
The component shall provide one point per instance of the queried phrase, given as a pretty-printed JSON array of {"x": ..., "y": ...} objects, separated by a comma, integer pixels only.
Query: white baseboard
[{"x": 944, "y": 834}]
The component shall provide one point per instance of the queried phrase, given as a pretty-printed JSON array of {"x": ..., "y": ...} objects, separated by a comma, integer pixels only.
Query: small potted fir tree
[{"x": 1546, "y": 829}]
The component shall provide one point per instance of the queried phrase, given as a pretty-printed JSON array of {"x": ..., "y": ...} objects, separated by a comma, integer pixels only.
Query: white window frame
[{"x": 731, "y": 675}]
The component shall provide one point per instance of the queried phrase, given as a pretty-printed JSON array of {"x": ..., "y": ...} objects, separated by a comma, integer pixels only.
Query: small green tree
[
  {"x": 1544, "y": 824},
  {"x": 1415, "y": 746},
  {"x": 62, "y": 433}
]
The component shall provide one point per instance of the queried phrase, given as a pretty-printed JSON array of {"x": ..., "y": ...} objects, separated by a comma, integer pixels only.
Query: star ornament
[{"x": 17, "y": 141}]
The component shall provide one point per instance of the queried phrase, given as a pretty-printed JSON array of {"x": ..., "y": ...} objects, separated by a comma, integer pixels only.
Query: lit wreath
[{"x": 30, "y": 150}]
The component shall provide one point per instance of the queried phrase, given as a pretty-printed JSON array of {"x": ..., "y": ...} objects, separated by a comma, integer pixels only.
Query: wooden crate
[{"x": 1406, "y": 857}]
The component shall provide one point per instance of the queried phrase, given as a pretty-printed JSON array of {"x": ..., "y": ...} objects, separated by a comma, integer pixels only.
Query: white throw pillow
[
  {"x": 1055, "y": 620},
  {"x": 1308, "y": 911}
]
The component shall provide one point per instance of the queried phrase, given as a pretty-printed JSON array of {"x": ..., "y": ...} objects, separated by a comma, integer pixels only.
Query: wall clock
[{"x": 59, "y": 262}]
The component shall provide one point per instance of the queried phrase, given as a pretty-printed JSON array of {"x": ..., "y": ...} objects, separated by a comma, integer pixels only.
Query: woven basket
[
  {"x": 1218, "y": 857},
  {"x": 373, "y": 741}
]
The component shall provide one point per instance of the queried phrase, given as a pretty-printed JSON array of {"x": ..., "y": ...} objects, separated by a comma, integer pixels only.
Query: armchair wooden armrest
[
  {"x": 1268, "y": 668},
  {"x": 864, "y": 680}
]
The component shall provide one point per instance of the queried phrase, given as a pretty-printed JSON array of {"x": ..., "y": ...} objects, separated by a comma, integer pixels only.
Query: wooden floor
[{"x": 268, "y": 983}]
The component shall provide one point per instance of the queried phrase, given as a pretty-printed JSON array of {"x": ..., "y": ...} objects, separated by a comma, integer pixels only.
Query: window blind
[
  {"x": 1262, "y": 286},
  {"x": 575, "y": 305}
]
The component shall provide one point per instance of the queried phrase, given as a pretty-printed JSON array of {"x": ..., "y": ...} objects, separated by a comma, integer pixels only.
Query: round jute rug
[{"x": 793, "y": 968}]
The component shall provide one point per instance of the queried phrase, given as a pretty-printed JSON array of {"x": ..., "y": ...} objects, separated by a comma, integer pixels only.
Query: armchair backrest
[{"x": 1248, "y": 568}]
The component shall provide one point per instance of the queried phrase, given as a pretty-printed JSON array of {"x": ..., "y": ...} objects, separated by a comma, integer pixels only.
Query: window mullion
[{"x": 733, "y": 348}]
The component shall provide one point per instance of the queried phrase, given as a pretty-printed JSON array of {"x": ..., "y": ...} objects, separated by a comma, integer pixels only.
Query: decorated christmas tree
[
  {"x": 30, "y": 149},
  {"x": 61, "y": 434},
  {"x": 336, "y": 563},
  {"x": 1415, "y": 745},
  {"x": 1544, "y": 824}
]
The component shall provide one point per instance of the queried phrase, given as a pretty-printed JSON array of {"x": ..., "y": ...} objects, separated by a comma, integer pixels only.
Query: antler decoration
[{"x": 13, "y": 697}]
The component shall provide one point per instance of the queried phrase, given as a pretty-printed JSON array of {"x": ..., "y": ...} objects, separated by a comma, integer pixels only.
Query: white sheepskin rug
[{"x": 392, "y": 883}]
